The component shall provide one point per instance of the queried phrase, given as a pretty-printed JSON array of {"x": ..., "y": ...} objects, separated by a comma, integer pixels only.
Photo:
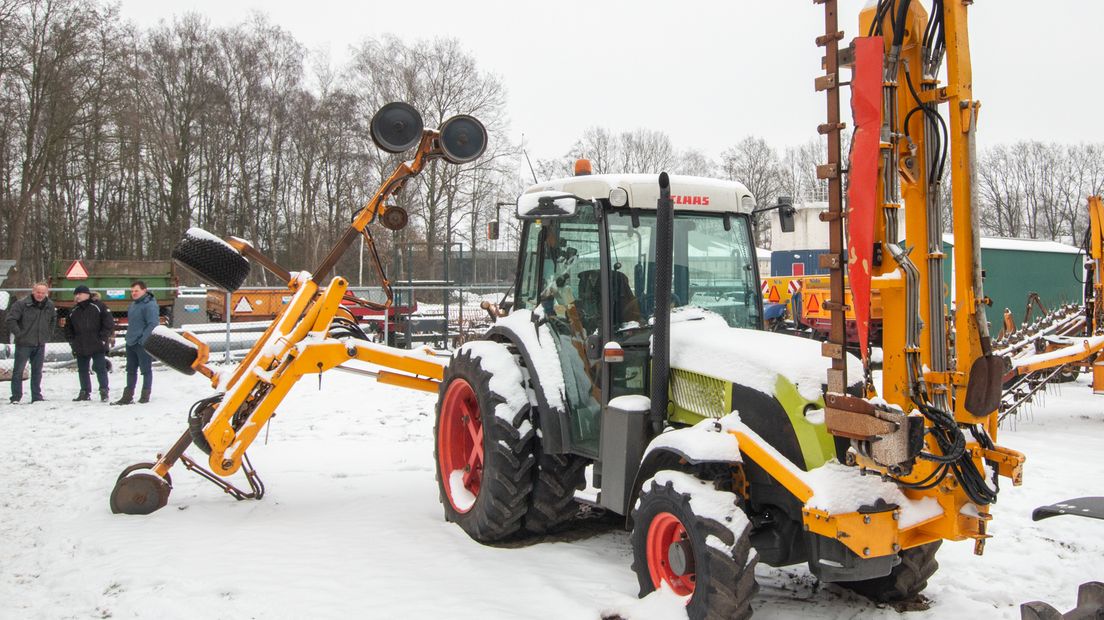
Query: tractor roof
[{"x": 689, "y": 193}]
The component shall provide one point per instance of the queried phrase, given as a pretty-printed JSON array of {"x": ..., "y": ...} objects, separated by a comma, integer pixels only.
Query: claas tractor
[{"x": 634, "y": 345}]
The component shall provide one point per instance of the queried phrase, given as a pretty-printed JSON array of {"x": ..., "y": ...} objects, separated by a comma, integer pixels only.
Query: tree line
[{"x": 114, "y": 140}]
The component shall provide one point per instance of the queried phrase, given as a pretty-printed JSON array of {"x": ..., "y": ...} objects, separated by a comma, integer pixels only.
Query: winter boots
[
  {"x": 82, "y": 396},
  {"x": 127, "y": 398},
  {"x": 103, "y": 396}
]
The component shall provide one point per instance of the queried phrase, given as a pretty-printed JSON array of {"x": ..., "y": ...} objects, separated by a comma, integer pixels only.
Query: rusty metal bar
[{"x": 837, "y": 375}]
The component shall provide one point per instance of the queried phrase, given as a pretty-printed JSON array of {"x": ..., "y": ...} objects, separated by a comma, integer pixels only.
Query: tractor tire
[
  {"x": 908, "y": 579},
  {"x": 552, "y": 504},
  {"x": 175, "y": 354},
  {"x": 669, "y": 542},
  {"x": 212, "y": 260},
  {"x": 483, "y": 455}
]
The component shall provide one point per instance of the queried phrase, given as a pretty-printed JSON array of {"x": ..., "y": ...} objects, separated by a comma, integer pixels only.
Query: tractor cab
[{"x": 588, "y": 267}]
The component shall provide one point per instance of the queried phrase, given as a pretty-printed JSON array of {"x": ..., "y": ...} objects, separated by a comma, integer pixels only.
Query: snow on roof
[{"x": 1020, "y": 245}]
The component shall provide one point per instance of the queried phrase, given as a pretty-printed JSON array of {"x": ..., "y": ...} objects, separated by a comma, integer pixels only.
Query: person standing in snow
[
  {"x": 142, "y": 317},
  {"x": 88, "y": 331},
  {"x": 31, "y": 320}
]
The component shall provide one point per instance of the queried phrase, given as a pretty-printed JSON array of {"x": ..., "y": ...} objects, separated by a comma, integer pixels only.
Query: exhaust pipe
[{"x": 661, "y": 330}]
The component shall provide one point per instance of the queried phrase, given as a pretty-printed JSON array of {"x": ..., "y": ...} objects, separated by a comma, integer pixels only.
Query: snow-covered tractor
[{"x": 633, "y": 347}]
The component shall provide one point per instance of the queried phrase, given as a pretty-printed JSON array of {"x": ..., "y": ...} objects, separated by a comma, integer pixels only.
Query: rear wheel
[
  {"x": 705, "y": 556},
  {"x": 908, "y": 579},
  {"x": 552, "y": 505},
  {"x": 482, "y": 447}
]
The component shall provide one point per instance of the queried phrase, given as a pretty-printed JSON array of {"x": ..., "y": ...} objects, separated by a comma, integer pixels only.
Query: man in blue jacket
[{"x": 142, "y": 317}]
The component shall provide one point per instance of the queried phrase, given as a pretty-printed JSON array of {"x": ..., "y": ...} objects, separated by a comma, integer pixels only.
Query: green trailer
[{"x": 111, "y": 280}]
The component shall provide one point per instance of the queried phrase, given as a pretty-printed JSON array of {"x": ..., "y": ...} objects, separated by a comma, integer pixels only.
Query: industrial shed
[{"x": 1016, "y": 267}]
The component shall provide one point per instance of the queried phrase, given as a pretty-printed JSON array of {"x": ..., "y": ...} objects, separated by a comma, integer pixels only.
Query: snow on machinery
[
  {"x": 634, "y": 344},
  {"x": 313, "y": 333}
]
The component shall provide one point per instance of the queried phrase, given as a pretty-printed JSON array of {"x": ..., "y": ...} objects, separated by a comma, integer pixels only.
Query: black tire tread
[
  {"x": 508, "y": 459},
  {"x": 171, "y": 352},
  {"x": 730, "y": 587},
  {"x": 905, "y": 581},
  {"x": 213, "y": 261},
  {"x": 552, "y": 505}
]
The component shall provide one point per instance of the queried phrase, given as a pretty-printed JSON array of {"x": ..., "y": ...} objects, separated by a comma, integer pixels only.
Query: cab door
[{"x": 561, "y": 280}]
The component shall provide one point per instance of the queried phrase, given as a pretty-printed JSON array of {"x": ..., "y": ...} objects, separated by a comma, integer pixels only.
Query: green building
[{"x": 1014, "y": 268}]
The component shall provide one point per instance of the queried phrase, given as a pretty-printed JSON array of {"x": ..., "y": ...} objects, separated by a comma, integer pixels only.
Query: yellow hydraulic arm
[
  {"x": 297, "y": 342},
  {"x": 950, "y": 386}
]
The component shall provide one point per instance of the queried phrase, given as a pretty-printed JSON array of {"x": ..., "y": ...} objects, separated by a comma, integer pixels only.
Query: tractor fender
[
  {"x": 535, "y": 346},
  {"x": 686, "y": 449}
]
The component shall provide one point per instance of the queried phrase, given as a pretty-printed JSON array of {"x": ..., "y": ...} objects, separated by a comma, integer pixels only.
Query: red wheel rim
[
  {"x": 460, "y": 445},
  {"x": 664, "y": 531}
]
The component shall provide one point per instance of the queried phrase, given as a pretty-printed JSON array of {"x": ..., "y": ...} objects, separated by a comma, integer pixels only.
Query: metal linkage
[{"x": 257, "y": 488}]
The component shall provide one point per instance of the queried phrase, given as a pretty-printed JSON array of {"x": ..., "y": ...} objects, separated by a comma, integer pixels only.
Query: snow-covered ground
[{"x": 351, "y": 525}]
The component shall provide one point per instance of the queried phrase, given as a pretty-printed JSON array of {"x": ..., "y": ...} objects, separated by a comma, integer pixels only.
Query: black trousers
[{"x": 99, "y": 366}]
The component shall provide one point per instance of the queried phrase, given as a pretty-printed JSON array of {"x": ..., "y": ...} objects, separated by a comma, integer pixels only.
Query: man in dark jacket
[
  {"x": 31, "y": 320},
  {"x": 88, "y": 330},
  {"x": 142, "y": 317}
]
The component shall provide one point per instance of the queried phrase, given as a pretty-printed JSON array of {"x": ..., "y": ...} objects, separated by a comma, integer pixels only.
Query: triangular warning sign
[
  {"x": 243, "y": 305},
  {"x": 76, "y": 271},
  {"x": 813, "y": 305},
  {"x": 773, "y": 297}
]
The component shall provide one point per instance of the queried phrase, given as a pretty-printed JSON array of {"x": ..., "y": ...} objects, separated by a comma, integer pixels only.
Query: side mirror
[
  {"x": 546, "y": 205},
  {"x": 786, "y": 214},
  {"x": 492, "y": 230}
]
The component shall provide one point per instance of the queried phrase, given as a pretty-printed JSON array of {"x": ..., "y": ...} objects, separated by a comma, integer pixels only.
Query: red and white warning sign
[
  {"x": 765, "y": 286},
  {"x": 794, "y": 286},
  {"x": 76, "y": 271},
  {"x": 243, "y": 305}
]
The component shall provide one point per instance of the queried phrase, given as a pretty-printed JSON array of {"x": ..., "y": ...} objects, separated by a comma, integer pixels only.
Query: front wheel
[
  {"x": 483, "y": 443},
  {"x": 905, "y": 581},
  {"x": 705, "y": 555}
]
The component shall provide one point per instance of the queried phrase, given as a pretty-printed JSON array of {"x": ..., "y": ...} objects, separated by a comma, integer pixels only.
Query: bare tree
[
  {"x": 52, "y": 80},
  {"x": 753, "y": 162}
]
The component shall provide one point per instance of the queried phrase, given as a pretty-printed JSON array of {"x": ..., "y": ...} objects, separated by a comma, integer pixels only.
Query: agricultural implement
[{"x": 314, "y": 332}]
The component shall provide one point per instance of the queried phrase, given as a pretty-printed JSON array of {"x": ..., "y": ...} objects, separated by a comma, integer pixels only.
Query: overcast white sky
[{"x": 707, "y": 73}]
